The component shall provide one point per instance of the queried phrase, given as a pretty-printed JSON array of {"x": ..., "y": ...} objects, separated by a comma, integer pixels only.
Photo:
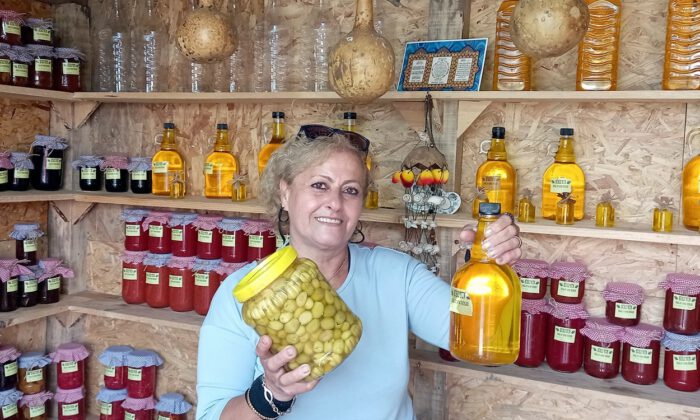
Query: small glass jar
[
  {"x": 601, "y": 348},
  {"x": 534, "y": 317},
  {"x": 5, "y": 64},
  {"x": 564, "y": 339},
  {"x": 641, "y": 349},
  {"x": 140, "y": 174},
  {"x": 172, "y": 406},
  {"x": 568, "y": 282},
  {"x": 8, "y": 404},
  {"x": 116, "y": 174},
  {"x": 41, "y": 68},
  {"x": 533, "y": 277},
  {"x": 157, "y": 272},
  {"x": 37, "y": 31},
  {"x": 139, "y": 408},
  {"x": 47, "y": 157},
  {"x": 681, "y": 362},
  {"x": 663, "y": 220},
  {"x": 605, "y": 214},
  {"x": 234, "y": 242},
  {"x": 8, "y": 374},
  {"x": 70, "y": 365},
  {"x": 681, "y": 310},
  {"x": 565, "y": 212},
  {"x": 71, "y": 403},
  {"x": 5, "y": 162},
  {"x": 11, "y": 27},
  {"x": 90, "y": 176},
  {"x": 51, "y": 273},
  {"x": 28, "y": 291},
  {"x": 208, "y": 237},
  {"x": 114, "y": 361},
  {"x": 21, "y": 61},
  {"x": 206, "y": 283},
  {"x": 32, "y": 372},
  {"x": 133, "y": 277},
  {"x": 623, "y": 303},
  {"x": 22, "y": 168},
  {"x": 26, "y": 236},
  {"x": 159, "y": 232},
  {"x": 183, "y": 234},
  {"x": 10, "y": 270},
  {"x": 33, "y": 407},
  {"x": 142, "y": 373},
  {"x": 135, "y": 234},
  {"x": 262, "y": 240},
  {"x": 181, "y": 284},
  {"x": 110, "y": 402},
  {"x": 67, "y": 69}
]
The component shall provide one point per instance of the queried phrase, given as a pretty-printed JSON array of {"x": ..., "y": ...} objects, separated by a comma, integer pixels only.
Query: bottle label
[
  {"x": 565, "y": 335},
  {"x": 37, "y": 411},
  {"x": 560, "y": 185},
  {"x": 491, "y": 183},
  {"x": 602, "y": 354},
  {"x": 29, "y": 245},
  {"x": 20, "y": 70},
  {"x": 70, "y": 409},
  {"x": 89, "y": 173},
  {"x": 460, "y": 302},
  {"x": 3, "y": 177},
  {"x": 139, "y": 175},
  {"x": 255, "y": 241},
  {"x": 111, "y": 371},
  {"x": 9, "y": 410},
  {"x": 568, "y": 288},
  {"x": 10, "y": 369},
  {"x": 209, "y": 168},
  {"x": 155, "y": 231},
  {"x": 133, "y": 230},
  {"x": 71, "y": 69},
  {"x": 530, "y": 285},
  {"x": 69, "y": 367},
  {"x": 113, "y": 173},
  {"x": 175, "y": 281},
  {"x": 641, "y": 356},
  {"x": 42, "y": 65},
  {"x": 5, "y": 65},
  {"x": 129, "y": 274},
  {"x": 30, "y": 286},
  {"x": 684, "y": 303},
  {"x": 54, "y": 164},
  {"x": 176, "y": 235},
  {"x": 685, "y": 362},
  {"x": 160, "y": 167},
  {"x": 161, "y": 417},
  {"x": 12, "y": 285},
  {"x": 106, "y": 408},
  {"x": 11, "y": 28},
  {"x": 228, "y": 240},
  {"x": 201, "y": 279},
  {"x": 129, "y": 416},
  {"x": 42, "y": 34},
  {"x": 625, "y": 310},
  {"x": 35, "y": 375},
  {"x": 205, "y": 236},
  {"x": 152, "y": 278},
  {"x": 134, "y": 374},
  {"x": 21, "y": 173},
  {"x": 54, "y": 283}
]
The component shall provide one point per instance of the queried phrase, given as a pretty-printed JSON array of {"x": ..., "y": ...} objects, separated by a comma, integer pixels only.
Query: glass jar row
[{"x": 41, "y": 67}]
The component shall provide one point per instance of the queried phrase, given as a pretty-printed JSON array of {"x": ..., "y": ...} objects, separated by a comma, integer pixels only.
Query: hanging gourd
[{"x": 206, "y": 35}]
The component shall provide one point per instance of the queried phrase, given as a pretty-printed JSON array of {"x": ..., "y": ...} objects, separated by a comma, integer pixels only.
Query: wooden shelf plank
[
  {"x": 188, "y": 203},
  {"x": 22, "y": 315},
  {"x": 30, "y": 94},
  {"x": 618, "y": 387},
  {"x": 34, "y": 196}
]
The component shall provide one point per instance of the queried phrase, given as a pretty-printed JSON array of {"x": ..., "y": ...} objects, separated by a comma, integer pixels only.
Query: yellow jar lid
[{"x": 265, "y": 273}]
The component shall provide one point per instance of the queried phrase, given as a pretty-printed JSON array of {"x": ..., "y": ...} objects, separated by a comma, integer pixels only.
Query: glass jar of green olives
[{"x": 288, "y": 299}]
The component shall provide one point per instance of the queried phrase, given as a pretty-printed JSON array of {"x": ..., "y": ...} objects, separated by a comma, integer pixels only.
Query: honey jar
[{"x": 32, "y": 372}]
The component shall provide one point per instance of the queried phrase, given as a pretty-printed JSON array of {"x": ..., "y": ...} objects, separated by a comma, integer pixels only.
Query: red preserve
[
  {"x": 33, "y": 406},
  {"x": 681, "y": 312},
  {"x": 564, "y": 339},
  {"x": 134, "y": 277},
  {"x": 141, "y": 375},
  {"x": 533, "y": 276},
  {"x": 21, "y": 60},
  {"x": 110, "y": 402},
  {"x": 172, "y": 406},
  {"x": 159, "y": 232},
  {"x": 568, "y": 281},
  {"x": 67, "y": 69},
  {"x": 8, "y": 404},
  {"x": 208, "y": 237},
  {"x": 139, "y": 408},
  {"x": 234, "y": 240},
  {"x": 114, "y": 361},
  {"x": 601, "y": 348},
  {"x": 641, "y": 349},
  {"x": 157, "y": 275},
  {"x": 135, "y": 236},
  {"x": 70, "y": 365},
  {"x": 41, "y": 69},
  {"x": 681, "y": 362},
  {"x": 262, "y": 240},
  {"x": 71, "y": 403},
  {"x": 183, "y": 234},
  {"x": 181, "y": 284},
  {"x": 11, "y": 27},
  {"x": 534, "y": 317},
  {"x": 206, "y": 283},
  {"x": 623, "y": 303}
]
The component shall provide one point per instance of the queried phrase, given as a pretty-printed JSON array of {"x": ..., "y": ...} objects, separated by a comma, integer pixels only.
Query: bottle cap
[
  {"x": 489, "y": 209},
  {"x": 566, "y": 132},
  {"x": 350, "y": 115},
  {"x": 498, "y": 133},
  {"x": 222, "y": 126},
  {"x": 169, "y": 126},
  {"x": 278, "y": 114}
]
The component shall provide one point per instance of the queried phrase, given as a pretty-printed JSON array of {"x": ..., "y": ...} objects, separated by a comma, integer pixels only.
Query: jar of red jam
[
  {"x": 22, "y": 168},
  {"x": 37, "y": 31},
  {"x": 11, "y": 27},
  {"x": 133, "y": 277},
  {"x": 28, "y": 291},
  {"x": 261, "y": 239},
  {"x": 33, "y": 407},
  {"x": 8, "y": 404},
  {"x": 534, "y": 317},
  {"x": 90, "y": 176},
  {"x": 114, "y": 361},
  {"x": 139, "y": 408},
  {"x": 10, "y": 270},
  {"x": 234, "y": 241},
  {"x": 533, "y": 277},
  {"x": 135, "y": 235},
  {"x": 116, "y": 173},
  {"x": 5, "y": 64},
  {"x": 623, "y": 303},
  {"x": 601, "y": 348},
  {"x": 159, "y": 232},
  {"x": 208, "y": 236},
  {"x": 568, "y": 281},
  {"x": 8, "y": 374},
  {"x": 206, "y": 283},
  {"x": 41, "y": 68},
  {"x": 183, "y": 234},
  {"x": 172, "y": 406},
  {"x": 142, "y": 372},
  {"x": 70, "y": 365},
  {"x": 157, "y": 277},
  {"x": 67, "y": 70},
  {"x": 26, "y": 236},
  {"x": 50, "y": 274},
  {"x": 641, "y": 349},
  {"x": 110, "y": 403},
  {"x": 32, "y": 372},
  {"x": 564, "y": 339},
  {"x": 21, "y": 61},
  {"x": 681, "y": 310},
  {"x": 681, "y": 361},
  {"x": 71, "y": 403},
  {"x": 47, "y": 157},
  {"x": 181, "y": 284},
  {"x": 140, "y": 173}
]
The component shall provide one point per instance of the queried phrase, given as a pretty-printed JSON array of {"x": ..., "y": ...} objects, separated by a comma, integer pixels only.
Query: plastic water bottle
[
  {"x": 278, "y": 43},
  {"x": 196, "y": 77},
  {"x": 261, "y": 61},
  {"x": 153, "y": 47},
  {"x": 103, "y": 80},
  {"x": 326, "y": 33}
]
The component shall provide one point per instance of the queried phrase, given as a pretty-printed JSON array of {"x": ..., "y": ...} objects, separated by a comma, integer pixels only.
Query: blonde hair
[{"x": 293, "y": 158}]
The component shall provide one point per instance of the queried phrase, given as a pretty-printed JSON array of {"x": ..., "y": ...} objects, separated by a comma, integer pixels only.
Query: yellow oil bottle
[
  {"x": 682, "y": 61},
  {"x": 512, "y": 69},
  {"x": 598, "y": 50},
  {"x": 350, "y": 124},
  {"x": 167, "y": 163},
  {"x": 496, "y": 175},
  {"x": 275, "y": 143},
  {"x": 220, "y": 167},
  {"x": 563, "y": 176},
  {"x": 485, "y": 304},
  {"x": 691, "y": 194}
]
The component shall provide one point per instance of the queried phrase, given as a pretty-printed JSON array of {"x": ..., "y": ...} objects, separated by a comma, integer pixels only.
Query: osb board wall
[
  {"x": 33, "y": 8},
  {"x": 29, "y": 336}
]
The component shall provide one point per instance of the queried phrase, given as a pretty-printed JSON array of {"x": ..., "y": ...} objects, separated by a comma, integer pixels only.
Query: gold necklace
[{"x": 338, "y": 270}]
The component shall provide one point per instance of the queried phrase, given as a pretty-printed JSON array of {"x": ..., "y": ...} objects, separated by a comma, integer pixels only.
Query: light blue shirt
[{"x": 391, "y": 293}]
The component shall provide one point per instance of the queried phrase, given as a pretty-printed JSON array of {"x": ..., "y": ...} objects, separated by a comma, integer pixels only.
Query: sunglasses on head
[{"x": 313, "y": 131}]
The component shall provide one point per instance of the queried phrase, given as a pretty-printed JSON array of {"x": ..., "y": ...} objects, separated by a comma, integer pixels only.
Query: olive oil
[
  {"x": 563, "y": 176},
  {"x": 496, "y": 176},
  {"x": 512, "y": 69},
  {"x": 598, "y": 50},
  {"x": 220, "y": 167},
  {"x": 275, "y": 143},
  {"x": 167, "y": 163}
]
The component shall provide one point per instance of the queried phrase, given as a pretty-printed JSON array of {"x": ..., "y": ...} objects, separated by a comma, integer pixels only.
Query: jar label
[
  {"x": 152, "y": 278},
  {"x": 69, "y": 367},
  {"x": 129, "y": 415},
  {"x": 9, "y": 410},
  {"x": 160, "y": 167},
  {"x": 71, "y": 69},
  {"x": 35, "y": 375},
  {"x": 111, "y": 371},
  {"x": 565, "y": 335},
  {"x": 560, "y": 185},
  {"x": 491, "y": 183},
  {"x": 4, "y": 179},
  {"x": 201, "y": 279},
  {"x": 42, "y": 65},
  {"x": 134, "y": 374},
  {"x": 602, "y": 354},
  {"x": 11, "y": 28},
  {"x": 29, "y": 245},
  {"x": 129, "y": 274},
  {"x": 176, "y": 235},
  {"x": 568, "y": 288},
  {"x": 205, "y": 236},
  {"x": 155, "y": 231},
  {"x": 113, "y": 173},
  {"x": 175, "y": 281},
  {"x": 460, "y": 302},
  {"x": 685, "y": 303},
  {"x": 70, "y": 409},
  {"x": 10, "y": 369},
  {"x": 161, "y": 417},
  {"x": 530, "y": 285},
  {"x": 641, "y": 356},
  {"x": 133, "y": 230},
  {"x": 12, "y": 285},
  {"x": 255, "y": 241},
  {"x": 20, "y": 70},
  {"x": 54, "y": 163},
  {"x": 685, "y": 363},
  {"x": 30, "y": 286},
  {"x": 106, "y": 408},
  {"x": 42, "y": 34},
  {"x": 53, "y": 283},
  {"x": 5, "y": 65},
  {"x": 209, "y": 168},
  {"x": 625, "y": 310},
  {"x": 21, "y": 173},
  {"x": 37, "y": 411},
  {"x": 228, "y": 240},
  {"x": 88, "y": 173},
  {"x": 139, "y": 175}
]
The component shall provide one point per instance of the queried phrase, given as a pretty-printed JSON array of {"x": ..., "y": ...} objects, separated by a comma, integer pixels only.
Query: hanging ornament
[{"x": 206, "y": 35}]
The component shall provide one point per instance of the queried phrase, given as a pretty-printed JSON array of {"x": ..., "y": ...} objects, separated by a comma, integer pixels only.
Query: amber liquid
[
  {"x": 220, "y": 168},
  {"x": 275, "y": 143},
  {"x": 691, "y": 193},
  {"x": 598, "y": 50},
  {"x": 372, "y": 200},
  {"x": 167, "y": 163},
  {"x": 491, "y": 334},
  {"x": 526, "y": 211},
  {"x": 511, "y": 68},
  {"x": 497, "y": 177},
  {"x": 682, "y": 61},
  {"x": 568, "y": 177},
  {"x": 604, "y": 215},
  {"x": 663, "y": 220}
]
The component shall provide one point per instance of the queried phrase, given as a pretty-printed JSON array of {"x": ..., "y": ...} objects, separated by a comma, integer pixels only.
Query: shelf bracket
[
  {"x": 75, "y": 115},
  {"x": 72, "y": 211},
  {"x": 413, "y": 113},
  {"x": 64, "y": 111},
  {"x": 468, "y": 112}
]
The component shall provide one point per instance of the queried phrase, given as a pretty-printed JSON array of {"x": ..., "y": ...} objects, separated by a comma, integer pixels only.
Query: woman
[{"x": 317, "y": 184}]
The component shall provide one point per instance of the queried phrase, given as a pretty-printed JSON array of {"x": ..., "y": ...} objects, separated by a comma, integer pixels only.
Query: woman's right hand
[{"x": 283, "y": 385}]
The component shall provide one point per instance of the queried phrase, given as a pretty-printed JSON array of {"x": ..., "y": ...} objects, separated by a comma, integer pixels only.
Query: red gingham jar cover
[
  {"x": 531, "y": 268},
  {"x": 568, "y": 310},
  {"x": 624, "y": 292},
  {"x": 162, "y": 217},
  {"x": 681, "y": 283},
  {"x": 642, "y": 335},
  {"x": 255, "y": 226},
  {"x": 535, "y": 306},
  {"x": 185, "y": 263},
  {"x": 134, "y": 257},
  {"x": 598, "y": 329},
  {"x": 570, "y": 271},
  {"x": 207, "y": 222}
]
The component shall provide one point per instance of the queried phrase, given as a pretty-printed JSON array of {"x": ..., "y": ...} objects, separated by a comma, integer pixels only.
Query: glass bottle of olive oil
[
  {"x": 563, "y": 176},
  {"x": 350, "y": 124},
  {"x": 167, "y": 162},
  {"x": 275, "y": 143},
  {"x": 220, "y": 167},
  {"x": 496, "y": 177}
]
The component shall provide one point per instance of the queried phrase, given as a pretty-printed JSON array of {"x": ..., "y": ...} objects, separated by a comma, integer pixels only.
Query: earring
[
  {"x": 358, "y": 231},
  {"x": 282, "y": 217}
]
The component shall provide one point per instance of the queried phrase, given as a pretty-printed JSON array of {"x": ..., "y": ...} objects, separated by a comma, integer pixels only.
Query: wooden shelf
[
  {"x": 22, "y": 315},
  {"x": 34, "y": 196},
  {"x": 430, "y": 360},
  {"x": 30, "y": 94},
  {"x": 187, "y": 203}
]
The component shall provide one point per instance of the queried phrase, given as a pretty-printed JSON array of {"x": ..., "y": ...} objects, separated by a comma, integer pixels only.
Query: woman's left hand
[{"x": 501, "y": 241}]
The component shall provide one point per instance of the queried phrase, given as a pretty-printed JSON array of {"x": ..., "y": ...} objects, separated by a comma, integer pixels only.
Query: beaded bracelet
[{"x": 260, "y": 416}]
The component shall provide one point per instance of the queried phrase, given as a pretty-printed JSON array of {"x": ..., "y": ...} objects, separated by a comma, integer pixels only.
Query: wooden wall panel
[
  {"x": 28, "y": 336},
  {"x": 32, "y": 7}
]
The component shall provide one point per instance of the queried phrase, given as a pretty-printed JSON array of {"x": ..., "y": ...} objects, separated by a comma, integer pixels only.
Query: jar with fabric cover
[
  {"x": 110, "y": 402},
  {"x": 37, "y": 31},
  {"x": 8, "y": 404},
  {"x": 234, "y": 241},
  {"x": 157, "y": 276},
  {"x": 226, "y": 269},
  {"x": 681, "y": 361},
  {"x": 41, "y": 68},
  {"x": 28, "y": 290},
  {"x": 116, "y": 173},
  {"x": 181, "y": 284},
  {"x": 641, "y": 350},
  {"x": 47, "y": 157},
  {"x": 90, "y": 176},
  {"x": 11, "y": 27},
  {"x": 10, "y": 270},
  {"x": 10, "y": 368},
  {"x": 22, "y": 59},
  {"x": 681, "y": 310},
  {"x": 206, "y": 282},
  {"x": 33, "y": 407},
  {"x": 5, "y": 64},
  {"x": 5, "y": 167},
  {"x": 26, "y": 236},
  {"x": 564, "y": 339},
  {"x": 159, "y": 232},
  {"x": 183, "y": 234},
  {"x": 50, "y": 276},
  {"x": 67, "y": 62},
  {"x": 32, "y": 372},
  {"x": 135, "y": 237},
  {"x": 22, "y": 169},
  {"x": 208, "y": 236},
  {"x": 142, "y": 367},
  {"x": 534, "y": 317},
  {"x": 114, "y": 361},
  {"x": 568, "y": 281},
  {"x": 70, "y": 365},
  {"x": 623, "y": 303},
  {"x": 601, "y": 348},
  {"x": 172, "y": 406},
  {"x": 140, "y": 175},
  {"x": 139, "y": 408},
  {"x": 133, "y": 277},
  {"x": 262, "y": 240},
  {"x": 533, "y": 276},
  {"x": 71, "y": 403}
]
